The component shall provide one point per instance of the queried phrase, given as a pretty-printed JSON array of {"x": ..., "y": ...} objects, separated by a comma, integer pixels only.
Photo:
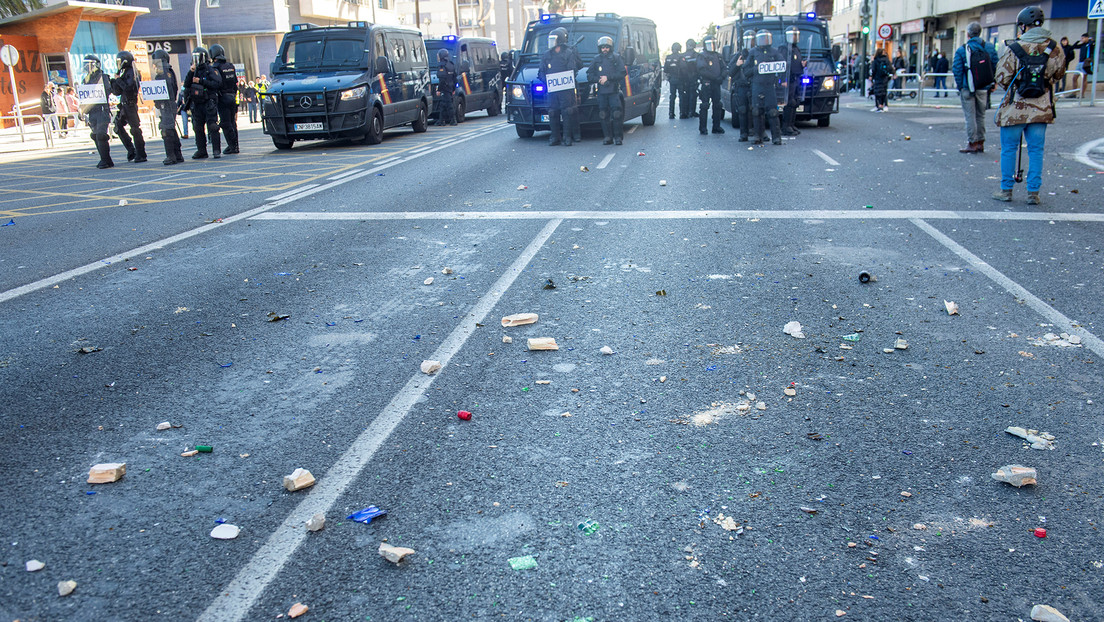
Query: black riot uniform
[
  {"x": 741, "y": 87},
  {"x": 505, "y": 70},
  {"x": 125, "y": 85},
  {"x": 791, "y": 51},
  {"x": 557, "y": 59},
  {"x": 608, "y": 72},
  {"x": 227, "y": 99},
  {"x": 446, "y": 86},
  {"x": 711, "y": 69},
  {"x": 98, "y": 116},
  {"x": 671, "y": 72},
  {"x": 201, "y": 90},
  {"x": 688, "y": 81},
  {"x": 766, "y": 69},
  {"x": 166, "y": 108}
]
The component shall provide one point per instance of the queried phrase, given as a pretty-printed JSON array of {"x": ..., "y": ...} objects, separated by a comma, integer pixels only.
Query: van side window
[
  {"x": 377, "y": 46},
  {"x": 396, "y": 50},
  {"x": 417, "y": 50},
  {"x": 624, "y": 43}
]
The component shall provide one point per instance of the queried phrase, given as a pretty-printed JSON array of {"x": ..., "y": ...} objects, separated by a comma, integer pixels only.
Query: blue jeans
[
  {"x": 254, "y": 112},
  {"x": 940, "y": 85},
  {"x": 1035, "y": 135}
]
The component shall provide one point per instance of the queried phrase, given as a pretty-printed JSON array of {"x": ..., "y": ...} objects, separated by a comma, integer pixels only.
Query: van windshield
[
  {"x": 432, "y": 45},
  {"x": 321, "y": 52},
  {"x": 583, "y": 38},
  {"x": 810, "y": 36}
]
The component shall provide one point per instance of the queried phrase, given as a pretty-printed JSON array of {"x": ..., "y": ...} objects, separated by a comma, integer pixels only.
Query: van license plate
[
  {"x": 544, "y": 118},
  {"x": 307, "y": 127}
]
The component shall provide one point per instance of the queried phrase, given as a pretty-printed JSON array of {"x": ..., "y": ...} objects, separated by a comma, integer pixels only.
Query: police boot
[
  {"x": 231, "y": 149},
  {"x": 556, "y": 126},
  {"x": 139, "y": 146},
  {"x": 702, "y": 120},
  {"x": 788, "y": 119},
  {"x": 776, "y": 130},
  {"x": 758, "y": 129},
  {"x": 104, "y": 149},
  {"x": 176, "y": 154},
  {"x": 607, "y": 138},
  {"x": 618, "y": 124},
  {"x": 216, "y": 146}
]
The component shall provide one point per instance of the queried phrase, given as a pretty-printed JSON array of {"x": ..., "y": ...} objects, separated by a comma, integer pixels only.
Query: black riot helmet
[
  {"x": 749, "y": 39},
  {"x": 125, "y": 58},
  {"x": 973, "y": 29},
  {"x": 557, "y": 37},
  {"x": 1030, "y": 17},
  {"x": 793, "y": 35},
  {"x": 708, "y": 45},
  {"x": 161, "y": 60},
  {"x": 199, "y": 55},
  {"x": 91, "y": 64},
  {"x": 676, "y": 48},
  {"x": 442, "y": 55},
  {"x": 605, "y": 42},
  {"x": 764, "y": 38},
  {"x": 505, "y": 56},
  {"x": 690, "y": 45},
  {"x": 217, "y": 52}
]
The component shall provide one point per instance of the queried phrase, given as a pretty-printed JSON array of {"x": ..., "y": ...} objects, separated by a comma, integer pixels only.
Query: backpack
[
  {"x": 1030, "y": 80},
  {"x": 981, "y": 69}
]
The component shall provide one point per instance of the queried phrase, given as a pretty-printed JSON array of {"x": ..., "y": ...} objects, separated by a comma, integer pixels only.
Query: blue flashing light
[
  {"x": 298, "y": 27},
  {"x": 550, "y": 16},
  {"x": 753, "y": 15},
  {"x": 448, "y": 38},
  {"x": 806, "y": 80},
  {"x": 810, "y": 16},
  {"x": 357, "y": 24},
  {"x": 538, "y": 88}
]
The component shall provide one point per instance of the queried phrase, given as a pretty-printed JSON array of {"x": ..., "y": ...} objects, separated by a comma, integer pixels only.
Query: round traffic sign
[
  {"x": 9, "y": 55},
  {"x": 885, "y": 31}
]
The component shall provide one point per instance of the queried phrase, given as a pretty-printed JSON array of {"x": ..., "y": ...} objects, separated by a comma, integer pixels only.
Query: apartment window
[
  {"x": 165, "y": 5},
  {"x": 212, "y": 4}
]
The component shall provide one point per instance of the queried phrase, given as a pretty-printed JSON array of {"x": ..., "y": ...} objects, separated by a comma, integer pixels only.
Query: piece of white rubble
[
  {"x": 299, "y": 479},
  {"x": 225, "y": 531},
  {"x": 793, "y": 329},
  {"x": 106, "y": 473},
  {"x": 1046, "y": 613},
  {"x": 34, "y": 565},
  {"x": 606, "y": 350},
  {"x": 430, "y": 367},
  {"x": 66, "y": 588},
  {"x": 1016, "y": 475},
  {"x": 316, "y": 522},
  {"x": 952, "y": 307},
  {"x": 393, "y": 554}
]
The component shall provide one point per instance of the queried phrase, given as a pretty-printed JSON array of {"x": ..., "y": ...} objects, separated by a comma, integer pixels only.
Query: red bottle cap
[
  {"x": 1040, "y": 532},
  {"x": 464, "y": 415}
]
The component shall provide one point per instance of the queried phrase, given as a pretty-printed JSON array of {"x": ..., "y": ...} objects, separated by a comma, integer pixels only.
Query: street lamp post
[{"x": 199, "y": 34}]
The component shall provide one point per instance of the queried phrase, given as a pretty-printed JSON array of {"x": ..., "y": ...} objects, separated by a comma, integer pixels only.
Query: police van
[
  {"x": 818, "y": 95},
  {"x": 634, "y": 38},
  {"x": 350, "y": 81},
  {"x": 478, "y": 85}
]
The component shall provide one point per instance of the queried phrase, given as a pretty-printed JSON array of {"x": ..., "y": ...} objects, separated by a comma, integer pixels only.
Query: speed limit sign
[{"x": 885, "y": 31}]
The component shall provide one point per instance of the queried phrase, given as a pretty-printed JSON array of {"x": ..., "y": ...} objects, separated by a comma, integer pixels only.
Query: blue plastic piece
[{"x": 367, "y": 514}]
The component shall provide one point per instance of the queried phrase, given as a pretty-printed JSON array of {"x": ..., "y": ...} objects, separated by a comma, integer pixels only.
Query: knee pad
[
  {"x": 618, "y": 114},
  {"x": 603, "y": 114}
]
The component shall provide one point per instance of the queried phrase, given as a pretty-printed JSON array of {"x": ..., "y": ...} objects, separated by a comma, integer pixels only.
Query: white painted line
[
  {"x": 1060, "y": 321},
  {"x": 825, "y": 157},
  {"x": 291, "y": 192},
  {"x": 606, "y": 160},
  {"x": 287, "y": 197},
  {"x": 632, "y": 129},
  {"x": 1082, "y": 154},
  {"x": 237, "y": 598},
  {"x": 688, "y": 215},
  {"x": 346, "y": 174},
  {"x": 149, "y": 181}
]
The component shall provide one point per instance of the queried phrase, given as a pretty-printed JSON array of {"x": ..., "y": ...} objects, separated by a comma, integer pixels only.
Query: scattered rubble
[
  {"x": 1065, "y": 340},
  {"x": 66, "y": 588},
  {"x": 106, "y": 473},
  {"x": 297, "y": 610},
  {"x": 901, "y": 344},
  {"x": 393, "y": 554},
  {"x": 543, "y": 343},
  {"x": 1034, "y": 438},
  {"x": 189, "y": 453},
  {"x": 793, "y": 329},
  {"x": 524, "y": 562},
  {"x": 299, "y": 479},
  {"x": 1016, "y": 474},
  {"x": 1046, "y": 613},
  {"x": 34, "y": 565},
  {"x": 164, "y": 425},
  {"x": 316, "y": 522},
  {"x": 428, "y": 281},
  {"x": 507, "y": 339},
  {"x": 952, "y": 308},
  {"x": 606, "y": 350},
  {"x": 519, "y": 319},
  {"x": 225, "y": 531},
  {"x": 430, "y": 367}
]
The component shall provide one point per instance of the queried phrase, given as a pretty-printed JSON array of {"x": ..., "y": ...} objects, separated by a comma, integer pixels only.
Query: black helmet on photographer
[{"x": 1030, "y": 17}]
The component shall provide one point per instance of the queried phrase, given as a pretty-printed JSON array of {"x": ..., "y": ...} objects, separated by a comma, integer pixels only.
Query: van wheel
[
  {"x": 648, "y": 118},
  {"x": 422, "y": 122},
  {"x": 374, "y": 135},
  {"x": 824, "y": 121},
  {"x": 282, "y": 144},
  {"x": 460, "y": 109},
  {"x": 524, "y": 131},
  {"x": 495, "y": 108}
]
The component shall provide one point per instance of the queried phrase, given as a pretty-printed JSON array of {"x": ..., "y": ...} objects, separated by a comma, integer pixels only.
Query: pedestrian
[
  {"x": 942, "y": 68},
  {"x": 203, "y": 84},
  {"x": 182, "y": 106},
  {"x": 975, "y": 64},
  {"x": 1028, "y": 70},
  {"x": 688, "y": 80},
  {"x": 98, "y": 116},
  {"x": 446, "y": 86},
  {"x": 125, "y": 85},
  {"x": 166, "y": 108},
  {"x": 898, "y": 69},
  {"x": 766, "y": 70},
  {"x": 741, "y": 87},
  {"x": 61, "y": 108},
  {"x": 671, "y": 72},
  {"x": 560, "y": 58},
  {"x": 795, "y": 68},
  {"x": 227, "y": 103},
  {"x": 250, "y": 94},
  {"x": 1069, "y": 52},
  {"x": 49, "y": 108},
  {"x": 880, "y": 72},
  {"x": 1085, "y": 61},
  {"x": 711, "y": 68},
  {"x": 608, "y": 72},
  {"x": 72, "y": 106}
]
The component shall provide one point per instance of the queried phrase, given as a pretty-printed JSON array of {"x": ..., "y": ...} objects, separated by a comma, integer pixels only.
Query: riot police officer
[
  {"x": 560, "y": 58},
  {"x": 766, "y": 69},
  {"x": 741, "y": 87},
  {"x": 446, "y": 86},
  {"x": 98, "y": 116},
  {"x": 710, "y": 73},
  {"x": 505, "y": 70},
  {"x": 671, "y": 71},
  {"x": 688, "y": 81},
  {"x": 227, "y": 103},
  {"x": 791, "y": 52},
  {"x": 125, "y": 85},
  {"x": 166, "y": 108},
  {"x": 608, "y": 70},
  {"x": 202, "y": 87}
]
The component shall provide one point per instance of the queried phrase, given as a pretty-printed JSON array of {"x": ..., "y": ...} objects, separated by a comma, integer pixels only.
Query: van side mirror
[
  {"x": 382, "y": 65},
  {"x": 836, "y": 52},
  {"x": 630, "y": 56},
  {"x": 272, "y": 68}
]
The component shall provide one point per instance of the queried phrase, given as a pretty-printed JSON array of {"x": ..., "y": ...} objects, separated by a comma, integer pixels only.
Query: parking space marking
[
  {"x": 237, "y": 598},
  {"x": 825, "y": 157},
  {"x": 1082, "y": 154},
  {"x": 687, "y": 214},
  {"x": 295, "y": 190},
  {"x": 345, "y": 174},
  {"x": 606, "y": 160},
  {"x": 632, "y": 129},
  {"x": 139, "y": 183},
  {"x": 1055, "y": 317}
]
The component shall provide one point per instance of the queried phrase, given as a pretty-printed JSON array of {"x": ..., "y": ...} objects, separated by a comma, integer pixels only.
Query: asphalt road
[{"x": 689, "y": 283}]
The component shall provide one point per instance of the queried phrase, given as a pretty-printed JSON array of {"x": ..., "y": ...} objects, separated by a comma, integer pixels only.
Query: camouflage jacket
[{"x": 1015, "y": 110}]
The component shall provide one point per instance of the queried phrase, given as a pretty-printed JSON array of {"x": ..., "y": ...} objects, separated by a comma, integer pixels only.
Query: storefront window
[{"x": 97, "y": 38}]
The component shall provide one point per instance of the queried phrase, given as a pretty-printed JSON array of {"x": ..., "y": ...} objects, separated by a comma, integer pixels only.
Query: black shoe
[
  {"x": 199, "y": 155},
  {"x": 218, "y": 154},
  {"x": 777, "y": 141},
  {"x": 718, "y": 130},
  {"x": 684, "y": 116},
  {"x": 757, "y": 141},
  {"x": 672, "y": 116},
  {"x": 617, "y": 141},
  {"x": 608, "y": 141},
  {"x": 231, "y": 150},
  {"x": 103, "y": 164},
  {"x": 567, "y": 143},
  {"x": 703, "y": 132},
  {"x": 139, "y": 160},
  {"x": 554, "y": 143},
  {"x": 742, "y": 139}
]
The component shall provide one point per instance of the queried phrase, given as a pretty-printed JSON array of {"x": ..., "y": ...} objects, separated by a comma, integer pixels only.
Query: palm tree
[
  {"x": 562, "y": 6},
  {"x": 17, "y": 7}
]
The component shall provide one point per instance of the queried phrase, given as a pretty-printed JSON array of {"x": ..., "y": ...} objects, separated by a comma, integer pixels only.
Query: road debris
[
  {"x": 584, "y": 169},
  {"x": 430, "y": 367},
  {"x": 524, "y": 562},
  {"x": 1064, "y": 340},
  {"x": 1046, "y": 613},
  {"x": 866, "y": 277},
  {"x": 34, "y": 565},
  {"x": 393, "y": 554},
  {"x": 809, "y": 510},
  {"x": 204, "y": 449},
  {"x": 1040, "y": 532},
  {"x": 853, "y": 337},
  {"x": 793, "y": 329},
  {"x": 446, "y": 270},
  {"x": 1016, "y": 474},
  {"x": 366, "y": 515},
  {"x": 316, "y": 522},
  {"x": 225, "y": 531},
  {"x": 900, "y": 344},
  {"x": 1034, "y": 438},
  {"x": 276, "y": 317},
  {"x": 507, "y": 339},
  {"x": 663, "y": 182},
  {"x": 66, "y": 588},
  {"x": 588, "y": 527},
  {"x": 164, "y": 425},
  {"x": 106, "y": 473},
  {"x": 89, "y": 349},
  {"x": 790, "y": 391},
  {"x": 297, "y": 610},
  {"x": 428, "y": 281},
  {"x": 463, "y": 415},
  {"x": 519, "y": 319},
  {"x": 606, "y": 350},
  {"x": 728, "y": 524},
  {"x": 543, "y": 343},
  {"x": 299, "y": 479},
  {"x": 523, "y": 187},
  {"x": 189, "y": 453},
  {"x": 952, "y": 308}
]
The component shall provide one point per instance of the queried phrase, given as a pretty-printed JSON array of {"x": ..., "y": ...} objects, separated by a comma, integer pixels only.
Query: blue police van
[
  {"x": 350, "y": 81},
  {"x": 634, "y": 38},
  {"x": 478, "y": 85},
  {"x": 818, "y": 96}
]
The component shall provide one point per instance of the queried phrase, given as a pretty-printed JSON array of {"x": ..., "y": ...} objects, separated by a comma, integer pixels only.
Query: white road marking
[
  {"x": 347, "y": 173},
  {"x": 606, "y": 160},
  {"x": 1060, "y": 321},
  {"x": 688, "y": 215},
  {"x": 288, "y": 197},
  {"x": 291, "y": 192},
  {"x": 237, "y": 598},
  {"x": 632, "y": 129},
  {"x": 149, "y": 181},
  {"x": 825, "y": 157},
  {"x": 1082, "y": 154}
]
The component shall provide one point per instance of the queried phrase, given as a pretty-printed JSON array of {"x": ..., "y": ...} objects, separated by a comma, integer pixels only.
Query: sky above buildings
[{"x": 676, "y": 20}]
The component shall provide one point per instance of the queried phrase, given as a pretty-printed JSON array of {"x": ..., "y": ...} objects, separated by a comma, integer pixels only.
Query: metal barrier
[
  {"x": 905, "y": 90},
  {"x": 21, "y": 122},
  {"x": 1077, "y": 92},
  {"x": 946, "y": 92}
]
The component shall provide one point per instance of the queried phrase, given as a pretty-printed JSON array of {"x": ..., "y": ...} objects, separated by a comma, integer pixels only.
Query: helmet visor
[
  {"x": 709, "y": 45},
  {"x": 763, "y": 38}
]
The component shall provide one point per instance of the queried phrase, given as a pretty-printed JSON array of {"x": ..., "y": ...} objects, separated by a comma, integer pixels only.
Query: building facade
[{"x": 501, "y": 20}]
